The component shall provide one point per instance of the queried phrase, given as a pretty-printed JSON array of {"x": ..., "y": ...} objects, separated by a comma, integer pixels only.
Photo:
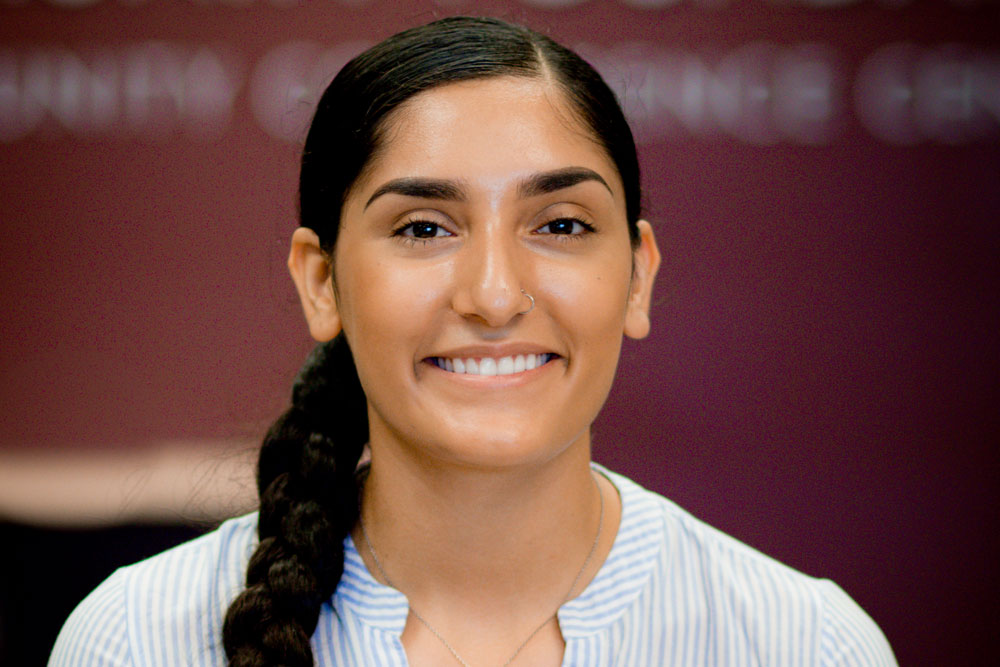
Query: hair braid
[{"x": 308, "y": 504}]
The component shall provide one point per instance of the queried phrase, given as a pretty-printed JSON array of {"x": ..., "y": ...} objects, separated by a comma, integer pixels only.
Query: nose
[{"x": 489, "y": 280}]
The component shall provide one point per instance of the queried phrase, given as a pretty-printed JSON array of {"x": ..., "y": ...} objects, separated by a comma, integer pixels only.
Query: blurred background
[{"x": 822, "y": 377}]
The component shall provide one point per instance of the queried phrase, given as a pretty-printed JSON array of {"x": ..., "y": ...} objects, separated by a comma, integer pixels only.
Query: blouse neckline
[{"x": 619, "y": 581}]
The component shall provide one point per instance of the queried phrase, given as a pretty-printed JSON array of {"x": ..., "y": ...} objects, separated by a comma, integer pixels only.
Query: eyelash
[
  {"x": 401, "y": 232},
  {"x": 404, "y": 232},
  {"x": 586, "y": 227}
]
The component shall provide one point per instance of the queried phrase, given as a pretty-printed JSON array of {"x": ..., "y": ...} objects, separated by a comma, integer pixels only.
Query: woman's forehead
[{"x": 492, "y": 132}]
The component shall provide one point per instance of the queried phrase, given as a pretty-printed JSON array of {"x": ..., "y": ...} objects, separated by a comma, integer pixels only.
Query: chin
[{"x": 503, "y": 448}]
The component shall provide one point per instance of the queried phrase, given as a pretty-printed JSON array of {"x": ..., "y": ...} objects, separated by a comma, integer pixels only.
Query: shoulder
[
  {"x": 94, "y": 634},
  {"x": 850, "y": 636},
  {"x": 739, "y": 601},
  {"x": 165, "y": 610}
]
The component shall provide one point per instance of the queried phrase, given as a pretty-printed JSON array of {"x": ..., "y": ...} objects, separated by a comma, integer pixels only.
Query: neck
[{"x": 458, "y": 540}]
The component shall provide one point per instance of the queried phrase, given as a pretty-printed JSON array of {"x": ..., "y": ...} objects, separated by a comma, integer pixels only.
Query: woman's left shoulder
[
  {"x": 718, "y": 584},
  {"x": 849, "y": 635}
]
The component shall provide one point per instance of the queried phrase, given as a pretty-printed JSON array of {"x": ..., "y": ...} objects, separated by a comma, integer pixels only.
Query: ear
[
  {"x": 646, "y": 258},
  {"x": 311, "y": 272}
]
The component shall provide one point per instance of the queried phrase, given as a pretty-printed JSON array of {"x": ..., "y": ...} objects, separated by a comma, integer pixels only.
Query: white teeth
[
  {"x": 518, "y": 363},
  {"x": 505, "y": 366},
  {"x": 490, "y": 366}
]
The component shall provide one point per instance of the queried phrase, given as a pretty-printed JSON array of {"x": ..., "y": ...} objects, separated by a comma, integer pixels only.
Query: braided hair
[
  {"x": 308, "y": 504},
  {"x": 307, "y": 470}
]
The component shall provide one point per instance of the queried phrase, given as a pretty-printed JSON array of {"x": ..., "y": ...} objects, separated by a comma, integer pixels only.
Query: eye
[
  {"x": 565, "y": 227},
  {"x": 422, "y": 230}
]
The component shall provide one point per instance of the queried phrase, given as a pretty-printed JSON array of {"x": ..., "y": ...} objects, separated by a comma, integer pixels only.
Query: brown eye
[
  {"x": 565, "y": 227},
  {"x": 423, "y": 230}
]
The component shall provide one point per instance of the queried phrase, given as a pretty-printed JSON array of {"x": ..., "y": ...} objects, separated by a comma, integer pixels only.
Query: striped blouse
[{"x": 673, "y": 591}]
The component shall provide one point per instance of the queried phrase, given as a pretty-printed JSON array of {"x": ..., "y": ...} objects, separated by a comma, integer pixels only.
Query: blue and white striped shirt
[{"x": 673, "y": 591}]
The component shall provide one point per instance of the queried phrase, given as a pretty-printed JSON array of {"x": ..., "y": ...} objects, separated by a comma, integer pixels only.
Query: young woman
[{"x": 469, "y": 258}]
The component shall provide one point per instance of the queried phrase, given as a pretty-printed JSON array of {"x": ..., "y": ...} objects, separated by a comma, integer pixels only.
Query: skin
[{"x": 486, "y": 478}]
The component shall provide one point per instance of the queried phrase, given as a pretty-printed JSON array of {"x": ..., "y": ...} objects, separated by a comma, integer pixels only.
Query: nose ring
[{"x": 531, "y": 307}]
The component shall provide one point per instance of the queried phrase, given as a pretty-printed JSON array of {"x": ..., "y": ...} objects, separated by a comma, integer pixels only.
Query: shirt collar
[
  {"x": 374, "y": 603},
  {"x": 628, "y": 567},
  {"x": 622, "y": 577}
]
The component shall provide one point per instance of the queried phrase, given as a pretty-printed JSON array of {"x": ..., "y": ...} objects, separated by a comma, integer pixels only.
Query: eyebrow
[
  {"x": 551, "y": 181},
  {"x": 538, "y": 184},
  {"x": 426, "y": 188}
]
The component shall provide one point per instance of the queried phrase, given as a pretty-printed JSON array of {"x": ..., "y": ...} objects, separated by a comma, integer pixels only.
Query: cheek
[
  {"x": 592, "y": 298},
  {"x": 386, "y": 303}
]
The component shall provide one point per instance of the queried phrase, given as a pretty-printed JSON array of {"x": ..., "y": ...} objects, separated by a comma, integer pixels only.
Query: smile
[{"x": 491, "y": 365}]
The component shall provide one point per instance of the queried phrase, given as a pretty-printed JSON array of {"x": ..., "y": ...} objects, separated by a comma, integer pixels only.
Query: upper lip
[{"x": 494, "y": 351}]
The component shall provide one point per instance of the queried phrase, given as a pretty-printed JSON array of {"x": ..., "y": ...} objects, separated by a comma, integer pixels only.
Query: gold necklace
[{"x": 419, "y": 617}]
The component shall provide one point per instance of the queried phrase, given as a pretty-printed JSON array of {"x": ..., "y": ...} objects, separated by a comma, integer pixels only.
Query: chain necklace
[{"x": 576, "y": 580}]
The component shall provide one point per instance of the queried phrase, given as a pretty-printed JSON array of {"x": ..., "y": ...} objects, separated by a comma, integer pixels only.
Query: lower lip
[{"x": 495, "y": 380}]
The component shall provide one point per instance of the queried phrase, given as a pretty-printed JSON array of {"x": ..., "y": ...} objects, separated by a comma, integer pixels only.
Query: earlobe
[
  {"x": 311, "y": 273},
  {"x": 647, "y": 262}
]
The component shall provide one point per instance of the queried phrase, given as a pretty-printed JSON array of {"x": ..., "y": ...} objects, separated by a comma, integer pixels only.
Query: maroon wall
[{"x": 824, "y": 178}]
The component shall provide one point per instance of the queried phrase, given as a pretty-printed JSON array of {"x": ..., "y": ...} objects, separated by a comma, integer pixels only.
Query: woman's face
[{"x": 484, "y": 189}]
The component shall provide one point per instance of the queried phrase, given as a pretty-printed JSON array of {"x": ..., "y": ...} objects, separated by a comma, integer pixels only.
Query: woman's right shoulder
[{"x": 165, "y": 610}]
